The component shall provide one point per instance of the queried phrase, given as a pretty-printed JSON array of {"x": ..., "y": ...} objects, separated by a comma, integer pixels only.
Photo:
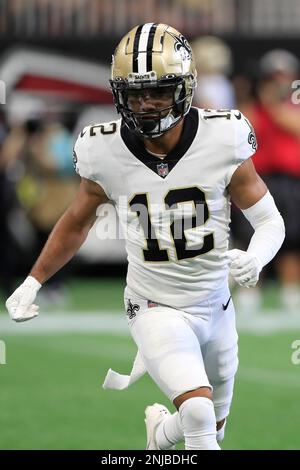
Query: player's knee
[
  {"x": 198, "y": 411},
  {"x": 199, "y": 423},
  {"x": 221, "y": 430}
]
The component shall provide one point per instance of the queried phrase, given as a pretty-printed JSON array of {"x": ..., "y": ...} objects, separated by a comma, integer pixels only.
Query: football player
[{"x": 171, "y": 171}]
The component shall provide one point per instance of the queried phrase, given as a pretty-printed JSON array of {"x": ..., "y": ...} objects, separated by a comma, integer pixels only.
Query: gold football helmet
[{"x": 153, "y": 56}]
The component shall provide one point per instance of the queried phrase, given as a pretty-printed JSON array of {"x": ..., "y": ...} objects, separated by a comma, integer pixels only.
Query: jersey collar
[{"x": 163, "y": 167}]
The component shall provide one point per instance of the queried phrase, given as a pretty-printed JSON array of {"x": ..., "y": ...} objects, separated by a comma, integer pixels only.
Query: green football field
[{"x": 50, "y": 387}]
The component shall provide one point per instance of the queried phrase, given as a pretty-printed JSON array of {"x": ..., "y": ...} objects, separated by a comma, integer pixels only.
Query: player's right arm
[{"x": 67, "y": 236}]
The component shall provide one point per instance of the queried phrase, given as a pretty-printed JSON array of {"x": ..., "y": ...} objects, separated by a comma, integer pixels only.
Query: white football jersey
[{"x": 174, "y": 211}]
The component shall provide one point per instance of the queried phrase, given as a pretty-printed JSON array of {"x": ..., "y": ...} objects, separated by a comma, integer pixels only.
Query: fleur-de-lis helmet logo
[{"x": 182, "y": 46}]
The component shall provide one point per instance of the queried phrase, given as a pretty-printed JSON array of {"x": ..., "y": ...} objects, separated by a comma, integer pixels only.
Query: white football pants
[{"x": 186, "y": 349}]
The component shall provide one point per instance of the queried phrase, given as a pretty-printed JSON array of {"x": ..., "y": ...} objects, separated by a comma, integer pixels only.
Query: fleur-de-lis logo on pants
[{"x": 132, "y": 309}]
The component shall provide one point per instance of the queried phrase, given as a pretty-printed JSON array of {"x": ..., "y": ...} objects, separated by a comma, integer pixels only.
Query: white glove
[
  {"x": 20, "y": 304},
  {"x": 244, "y": 267}
]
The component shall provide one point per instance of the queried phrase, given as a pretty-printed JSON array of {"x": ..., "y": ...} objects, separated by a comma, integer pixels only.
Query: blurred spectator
[
  {"x": 83, "y": 18},
  {"x": 214, "y": 65},
  {"x": 277, "y": 125},
  {"x": 8, "y": 201},
  {"x": 47, "y": 182}
]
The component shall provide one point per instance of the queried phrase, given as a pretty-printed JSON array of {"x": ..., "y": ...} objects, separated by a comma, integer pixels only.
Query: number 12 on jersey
[{"x": 140, "y": 204}]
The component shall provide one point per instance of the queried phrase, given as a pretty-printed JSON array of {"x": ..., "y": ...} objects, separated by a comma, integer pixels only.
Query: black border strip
[
  {"x": 150, "y": 47},
  {"x": 136, "y": 49}
]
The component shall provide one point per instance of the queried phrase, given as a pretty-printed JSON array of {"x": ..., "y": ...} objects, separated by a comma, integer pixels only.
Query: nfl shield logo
[{"x": 163, "y": 169}]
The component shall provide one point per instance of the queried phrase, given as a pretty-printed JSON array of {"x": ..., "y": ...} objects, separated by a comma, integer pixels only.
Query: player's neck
[{"x": 165, "y": 143}]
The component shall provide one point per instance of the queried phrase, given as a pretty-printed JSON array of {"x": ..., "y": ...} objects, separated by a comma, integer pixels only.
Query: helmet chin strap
[{"x": 150, "y": 125}]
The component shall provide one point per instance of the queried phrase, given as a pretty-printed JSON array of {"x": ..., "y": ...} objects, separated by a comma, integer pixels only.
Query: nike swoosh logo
[
  {"x": 226, "y": 305},
  {"x": 238, "y": 116}
]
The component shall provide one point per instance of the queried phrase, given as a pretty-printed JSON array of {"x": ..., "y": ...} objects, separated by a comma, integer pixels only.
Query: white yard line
[
  {"x": 63, "y": 322},
  {"x": 264, "y": 323},
  {"x": 268, "y": 322}
]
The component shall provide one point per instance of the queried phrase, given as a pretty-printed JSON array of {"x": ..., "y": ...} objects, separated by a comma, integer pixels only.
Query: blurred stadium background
[{"x": 54, "y": 70}]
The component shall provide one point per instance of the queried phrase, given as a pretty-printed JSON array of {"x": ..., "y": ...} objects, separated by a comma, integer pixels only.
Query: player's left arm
[{"x": 248, "y": 191}]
